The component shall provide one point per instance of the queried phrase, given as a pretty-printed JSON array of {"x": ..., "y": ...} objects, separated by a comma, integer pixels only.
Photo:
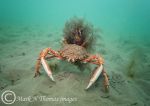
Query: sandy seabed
[{"x": 127, "y": 63}]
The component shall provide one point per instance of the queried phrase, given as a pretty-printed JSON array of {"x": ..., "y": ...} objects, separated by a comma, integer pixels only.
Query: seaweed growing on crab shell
[{"x": 77, "y": 31}]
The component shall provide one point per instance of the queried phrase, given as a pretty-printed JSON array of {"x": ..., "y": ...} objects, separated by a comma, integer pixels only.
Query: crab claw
[
  {"x": 95, "y": 76},
  {"x": 47, "y": 69}
]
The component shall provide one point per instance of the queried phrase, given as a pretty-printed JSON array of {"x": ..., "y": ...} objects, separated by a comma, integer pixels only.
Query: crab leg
[
  {"x": 42, "y": 60},
  {"x": 106, "y": 80},
  {"x": 95, "y": 76},
  {"x": 47, "y": 69},
  {"x": 100, "y": 69}
]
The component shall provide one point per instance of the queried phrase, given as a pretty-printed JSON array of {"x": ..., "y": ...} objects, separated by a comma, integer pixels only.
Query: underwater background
[{"x": 28, "y": 26}]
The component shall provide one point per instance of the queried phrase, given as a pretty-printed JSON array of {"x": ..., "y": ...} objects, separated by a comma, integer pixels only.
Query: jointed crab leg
[
  {"x": 47, "y": 69},
  {"x": 98, "y": 61},
  {"x": 95, "y": 76},
  {"x": 106, "y": 80},
  {"x": 42, "y": 60}
]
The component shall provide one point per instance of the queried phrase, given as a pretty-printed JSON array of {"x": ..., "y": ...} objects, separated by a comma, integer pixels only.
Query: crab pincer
[
  {"x": 95, "y": 76},
  {"x": 47, "y": 69}
]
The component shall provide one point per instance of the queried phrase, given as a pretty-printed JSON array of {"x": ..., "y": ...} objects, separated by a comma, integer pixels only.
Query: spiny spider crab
[{"x": 73, "y": 51}]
